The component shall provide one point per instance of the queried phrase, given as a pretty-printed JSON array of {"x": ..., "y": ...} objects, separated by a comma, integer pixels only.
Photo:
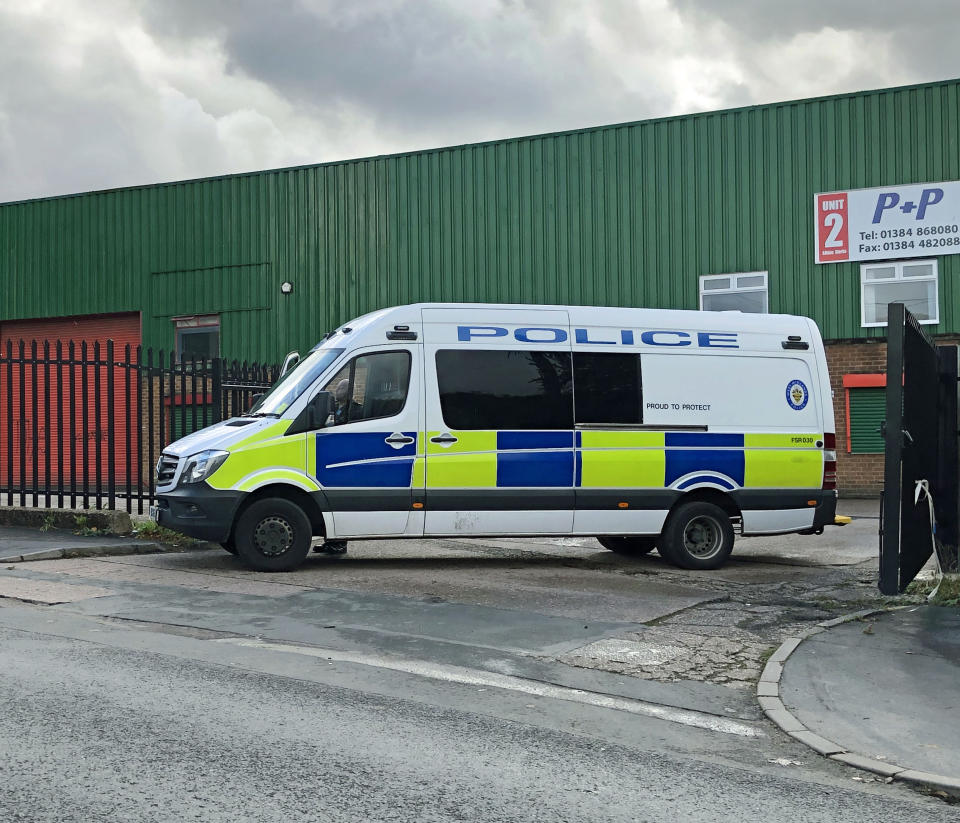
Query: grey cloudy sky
[{"x": 102, "y": 93}]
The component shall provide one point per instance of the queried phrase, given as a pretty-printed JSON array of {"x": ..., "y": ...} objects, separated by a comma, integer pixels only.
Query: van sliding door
[{"x": 499, "y": 412}]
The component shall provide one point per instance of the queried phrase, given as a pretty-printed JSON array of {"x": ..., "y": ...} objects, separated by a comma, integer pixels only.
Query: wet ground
[{"x": 641, "y": 617}]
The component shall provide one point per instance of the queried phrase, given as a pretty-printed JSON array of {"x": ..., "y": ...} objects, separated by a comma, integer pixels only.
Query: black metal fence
[{"x": 82, "y": 425}]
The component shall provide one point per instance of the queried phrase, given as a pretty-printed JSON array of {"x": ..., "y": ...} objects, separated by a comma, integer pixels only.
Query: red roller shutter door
[{"x": 38, "y": 428}]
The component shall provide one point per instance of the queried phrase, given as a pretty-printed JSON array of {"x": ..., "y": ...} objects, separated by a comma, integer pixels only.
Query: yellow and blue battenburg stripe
[
  {"x": 525, "y": 459},
  {"x": 599, "y": 459},
  {"x": 364, "y": 460},
  {"x": 694, "y": 458}
]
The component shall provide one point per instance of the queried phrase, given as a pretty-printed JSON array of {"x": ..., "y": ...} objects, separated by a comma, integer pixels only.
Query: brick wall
[{"x": 857, "y": 474}]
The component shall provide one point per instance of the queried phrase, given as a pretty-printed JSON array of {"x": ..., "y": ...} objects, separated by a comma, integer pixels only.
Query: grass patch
[
  {"x": 158, "y": 534},
  {"x": 947, "y": 595},
  {"x": 82, "y": 526},
  {"x": 765, "y": 656},
  {"x": 829, "y": 604}
]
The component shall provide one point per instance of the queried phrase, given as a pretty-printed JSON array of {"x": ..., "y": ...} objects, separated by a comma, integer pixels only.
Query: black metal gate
[
  {"x": 920, "y": 435},
  {"x": 82, "y": 426}
]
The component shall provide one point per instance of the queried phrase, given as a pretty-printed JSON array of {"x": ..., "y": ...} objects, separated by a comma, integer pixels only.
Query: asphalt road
[
  {"x": 110, "y": 721},
  {"x": 422, "y": 680}
]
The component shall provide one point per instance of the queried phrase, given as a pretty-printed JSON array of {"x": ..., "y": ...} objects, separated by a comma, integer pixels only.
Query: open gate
[{"x": 920, "y": 438}]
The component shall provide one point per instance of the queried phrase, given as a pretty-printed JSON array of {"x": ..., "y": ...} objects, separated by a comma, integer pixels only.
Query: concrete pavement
[
  {"x": 878, "y": 690},
  {"x": 19, "y": 543}
]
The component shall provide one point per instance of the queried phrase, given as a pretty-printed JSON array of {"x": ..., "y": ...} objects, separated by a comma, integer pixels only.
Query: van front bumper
[{"x": 199, "y": 511}]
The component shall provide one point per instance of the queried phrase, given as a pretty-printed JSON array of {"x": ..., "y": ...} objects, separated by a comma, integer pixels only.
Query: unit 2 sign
[{"x": 888, "y": 222}]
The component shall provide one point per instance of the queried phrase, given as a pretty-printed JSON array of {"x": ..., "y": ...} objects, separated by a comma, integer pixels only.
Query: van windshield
[{"x": 294, "y": 383}]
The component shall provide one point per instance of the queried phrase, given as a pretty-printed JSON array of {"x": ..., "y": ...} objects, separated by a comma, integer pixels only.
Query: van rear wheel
[
  {"x": 629, "y": 544},
  {"x": 697, "y": 535},
  {"x": 273, "y": 535}
]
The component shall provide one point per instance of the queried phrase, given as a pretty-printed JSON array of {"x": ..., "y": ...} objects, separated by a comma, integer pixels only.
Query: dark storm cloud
[
  {"x": 103, "y": 93},
  {"x": 418, "y": 63}
]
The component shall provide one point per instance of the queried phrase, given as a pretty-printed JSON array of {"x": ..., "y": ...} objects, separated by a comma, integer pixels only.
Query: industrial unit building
[{"x": 720, "y": 210}]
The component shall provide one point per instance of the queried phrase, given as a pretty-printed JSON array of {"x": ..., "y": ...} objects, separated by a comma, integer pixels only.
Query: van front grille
[{"x": 166, "y": 469}]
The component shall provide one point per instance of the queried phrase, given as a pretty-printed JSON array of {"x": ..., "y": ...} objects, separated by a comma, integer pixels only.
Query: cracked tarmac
[
  {"x": 728, "y": 641},
  {"x": 710, "y": 627}
]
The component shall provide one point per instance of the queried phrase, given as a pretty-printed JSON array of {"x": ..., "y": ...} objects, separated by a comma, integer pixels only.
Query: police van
[{"x": 644, "y": 428}]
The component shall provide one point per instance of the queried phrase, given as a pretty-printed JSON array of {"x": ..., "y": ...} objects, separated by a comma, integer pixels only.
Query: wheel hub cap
[
  {"x": 702, "y": 537},
  {"x": 273, "y": 536}
]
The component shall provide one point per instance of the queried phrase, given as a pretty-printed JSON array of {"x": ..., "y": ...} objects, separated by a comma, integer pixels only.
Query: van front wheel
[
  {"x": 697, "y": 535},
  {"x": 273, "y": 535},
  {"x": 629, "y": 544}
]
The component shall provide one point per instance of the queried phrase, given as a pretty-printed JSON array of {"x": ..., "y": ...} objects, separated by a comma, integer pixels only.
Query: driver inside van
[{"x": 341, "y": 397}]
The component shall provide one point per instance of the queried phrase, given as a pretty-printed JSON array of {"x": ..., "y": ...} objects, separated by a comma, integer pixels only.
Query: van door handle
[
  {"x": 398, "y": 439},
  {"x": 443, "y": 438}
]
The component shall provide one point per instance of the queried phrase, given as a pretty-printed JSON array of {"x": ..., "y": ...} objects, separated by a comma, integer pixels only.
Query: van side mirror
[
  {"x": 289, "y": 362},
  {"x": 254, "y": 400},
  {"x": 319, "y": 409}
]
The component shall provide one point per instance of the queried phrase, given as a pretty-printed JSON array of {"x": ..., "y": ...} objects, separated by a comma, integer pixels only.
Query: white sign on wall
[{"x": 888, "y": 222}]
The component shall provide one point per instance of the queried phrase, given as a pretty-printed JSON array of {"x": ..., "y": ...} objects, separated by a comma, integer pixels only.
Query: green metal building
[{"x": 661, "y": 213}]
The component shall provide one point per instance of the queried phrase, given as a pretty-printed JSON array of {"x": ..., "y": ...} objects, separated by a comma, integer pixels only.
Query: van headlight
[{"x": 201, "y": 465}]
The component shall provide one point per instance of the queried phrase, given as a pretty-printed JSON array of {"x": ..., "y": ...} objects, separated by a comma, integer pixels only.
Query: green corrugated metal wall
[{"x": 619, "y": 215}]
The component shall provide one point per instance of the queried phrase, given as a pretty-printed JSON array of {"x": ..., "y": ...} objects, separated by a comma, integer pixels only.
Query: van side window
[
  {"x": 505, "y": 389},
  {"x": 370, "y": 386},
  {"x": 607, "y": 388}
]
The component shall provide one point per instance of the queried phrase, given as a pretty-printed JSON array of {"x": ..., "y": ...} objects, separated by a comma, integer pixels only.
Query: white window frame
[
  {"x": 734, "y": 288},
  {"x": 898, "y": 277}
]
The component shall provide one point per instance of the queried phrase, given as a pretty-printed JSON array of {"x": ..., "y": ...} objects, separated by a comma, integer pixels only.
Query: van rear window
[{"x": 505, "y": 389}]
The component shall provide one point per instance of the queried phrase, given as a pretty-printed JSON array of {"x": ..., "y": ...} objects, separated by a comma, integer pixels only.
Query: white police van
[{"x": 645, "y": 428}]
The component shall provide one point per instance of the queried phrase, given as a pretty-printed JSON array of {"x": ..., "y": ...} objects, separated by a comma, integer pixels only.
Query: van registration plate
[{"x": 154, "y": 513}]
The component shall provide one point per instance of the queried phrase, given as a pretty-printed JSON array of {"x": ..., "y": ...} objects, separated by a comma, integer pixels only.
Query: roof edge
[{"x": 493, "y": 142}]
